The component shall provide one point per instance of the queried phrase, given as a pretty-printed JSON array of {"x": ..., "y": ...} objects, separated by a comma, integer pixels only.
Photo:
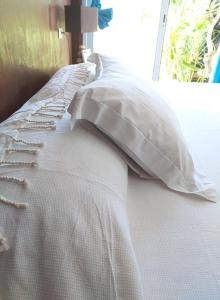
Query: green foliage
[
  {"x": 187, "y": 38},
  {"x": 175, "y": 2}
]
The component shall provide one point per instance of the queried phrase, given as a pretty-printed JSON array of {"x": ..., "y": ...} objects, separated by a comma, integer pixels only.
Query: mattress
[{"x": 176, "y": 236}]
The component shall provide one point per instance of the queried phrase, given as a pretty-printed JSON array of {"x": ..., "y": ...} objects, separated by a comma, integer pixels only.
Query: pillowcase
[
  {"x": 96, "y": 59},
  {"x": 85, "y": 54},
  {"x": 135, "y": 116}
]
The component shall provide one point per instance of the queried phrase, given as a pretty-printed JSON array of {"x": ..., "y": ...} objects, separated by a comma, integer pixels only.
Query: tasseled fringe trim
[
  {"x": 50, "y": 122},
  {"x": 21, "y": 181},
  {"x": 26, "y": 142},
  {"x": 77, "y": 84},
  {"x": 63, "y": 101},
  {"x": 3, "y": 244},
  {"x": 13, "y": 203},
  {"x": 81, "y": 74},
  {"x": 81, "y": 77},
  {"x": 36, "y": 127},
  {"x": 37, "y": 113},
  {"x": 62, "y": 106},
  {"x": 46, "y": 108},
  {"x": 29, "y": 151},
  {"x": 18, "y": 163}
]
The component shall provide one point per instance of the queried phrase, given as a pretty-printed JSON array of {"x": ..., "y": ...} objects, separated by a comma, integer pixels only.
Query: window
[{"x": 132, "y": 34}]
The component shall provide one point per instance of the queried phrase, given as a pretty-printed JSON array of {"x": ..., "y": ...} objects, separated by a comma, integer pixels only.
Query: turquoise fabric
[
  {"x": 216, "y": 73},
  {"x": 105, "y": 15},
  {"x": 96, "y": 3}
]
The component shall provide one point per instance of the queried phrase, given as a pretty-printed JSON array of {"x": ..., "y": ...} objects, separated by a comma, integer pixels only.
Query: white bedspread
[
  {"x": 73, "y": 240},
  {"x": 177, "y": 237}
]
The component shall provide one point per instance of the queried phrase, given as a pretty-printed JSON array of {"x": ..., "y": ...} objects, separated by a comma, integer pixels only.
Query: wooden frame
[
  {"x": 78, "y": 20},
  {"x": 30, "y": 48}
]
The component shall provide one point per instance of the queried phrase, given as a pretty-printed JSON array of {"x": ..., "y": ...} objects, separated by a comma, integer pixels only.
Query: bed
[
  {"x": 77, "y": 222},
  {"x": 81, "y": 215},
  {"x": 176, "y": 238}
]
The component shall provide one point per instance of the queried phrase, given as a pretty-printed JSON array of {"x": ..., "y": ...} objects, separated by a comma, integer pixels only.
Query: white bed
[
  {"x": 177, "y": 237},
  {"x": 89, "y": 230}
]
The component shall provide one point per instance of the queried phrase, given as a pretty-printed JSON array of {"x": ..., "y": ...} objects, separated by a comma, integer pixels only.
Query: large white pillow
[{"x": 135, "y": 116}]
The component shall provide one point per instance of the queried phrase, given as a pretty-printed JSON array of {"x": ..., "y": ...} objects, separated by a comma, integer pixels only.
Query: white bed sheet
[{"x": 177, "y": 237}]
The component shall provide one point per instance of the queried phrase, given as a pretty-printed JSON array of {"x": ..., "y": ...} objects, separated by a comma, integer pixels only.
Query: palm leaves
[{"x": 192, "y": 37}]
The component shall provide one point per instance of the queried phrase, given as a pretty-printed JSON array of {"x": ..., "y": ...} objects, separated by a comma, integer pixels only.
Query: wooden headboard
[{"x": 30, "y": 50}]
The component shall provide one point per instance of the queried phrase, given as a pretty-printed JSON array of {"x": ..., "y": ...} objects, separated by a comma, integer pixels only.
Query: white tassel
[
  {"x": 46, "y": 115},
  {"x": 63, "y": 103},
  {"x": 36, "y": 127},
  {"x": 3, "y": 244},
  {"x": 81, "y": 76},
  {"x": 66, "y": 101},
  {"x": 21, "y": 181},
  {"x": 56, "y": 106},
  {"x": 12, "y": 203},
  {"x": 77, "y": 84},
  {"x": 29, "y": 151},
  {"x": 18, "y": 163},
  {"x": 26, "y": 142},
  {"x": 50, "y": 122},
  {"x": 81, "y": 73},
  {"x": 52, "y": 109}
]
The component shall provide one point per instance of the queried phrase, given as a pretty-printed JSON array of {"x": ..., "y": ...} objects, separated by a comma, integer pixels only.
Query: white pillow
[
  {"x": 96, "y": 59},
  {"x": 137, "y": 119},
  {"x": 85, "y": 54}
]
